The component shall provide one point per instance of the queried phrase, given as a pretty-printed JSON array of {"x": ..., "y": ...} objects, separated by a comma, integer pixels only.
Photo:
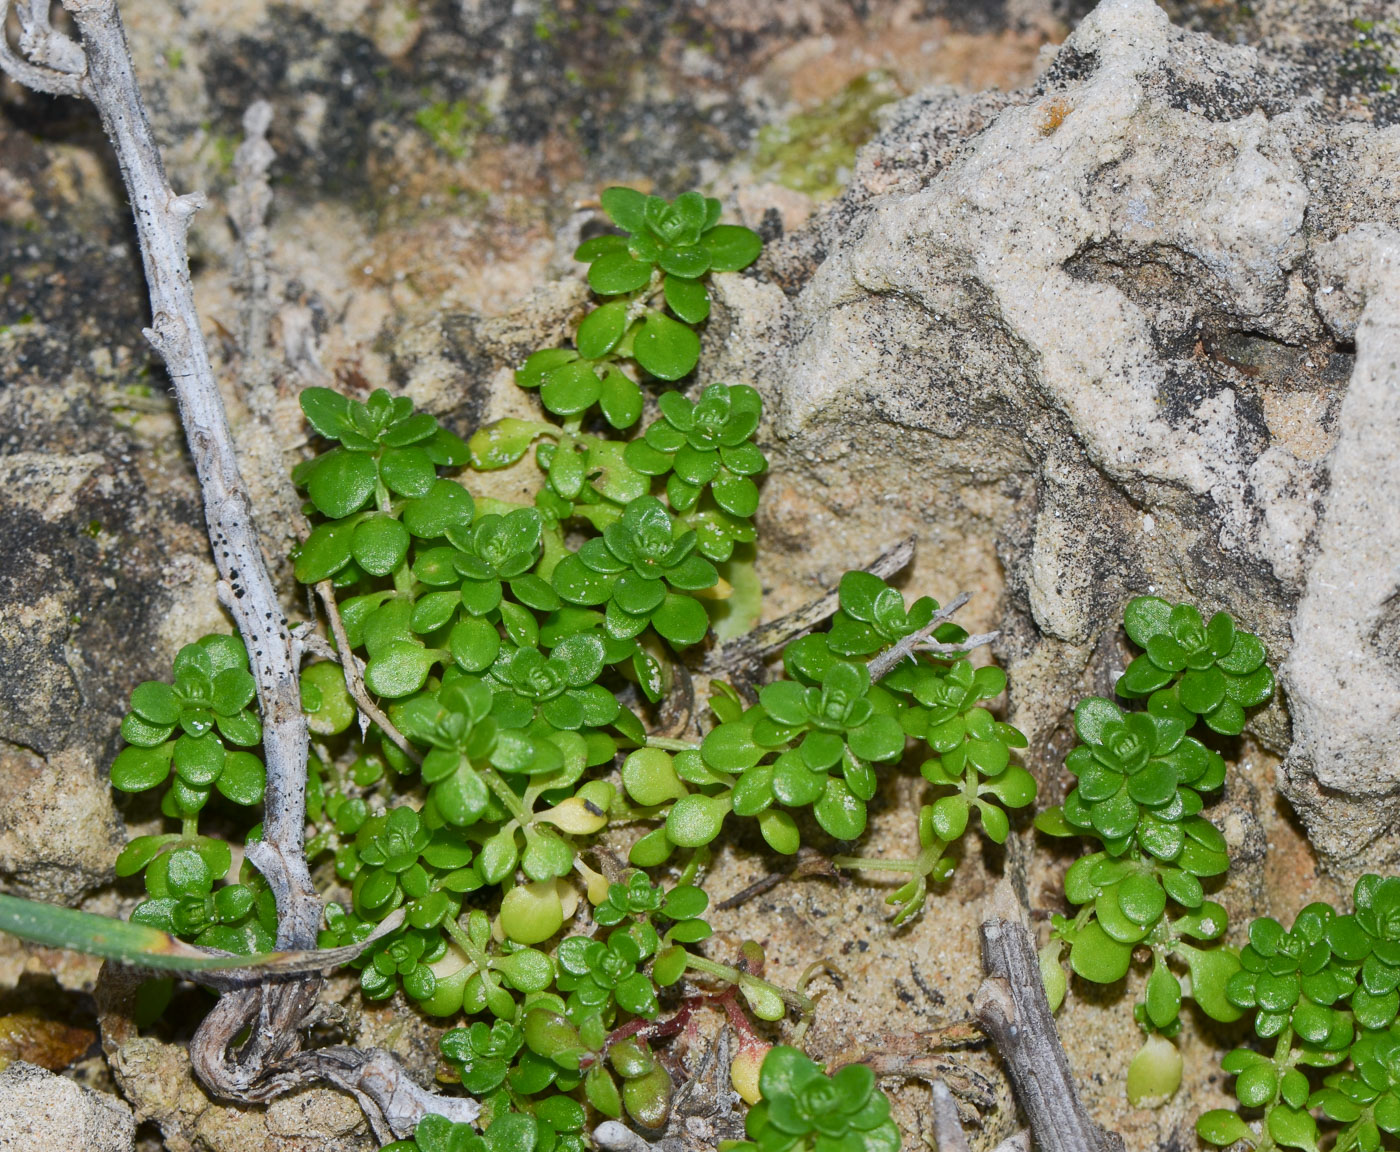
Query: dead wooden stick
[
  {"x": 354, "y": 674},
  {"x": 1012, "y": 1009},
  {"x": 247, "y": 1048},
  {"x": 948, "y": 1131}
]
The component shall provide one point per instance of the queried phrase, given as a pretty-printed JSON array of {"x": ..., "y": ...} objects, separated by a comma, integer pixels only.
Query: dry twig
[
  {"x": 270, "y": 1010},
  {"x": 354, "y": 674},
  {"x": 1014, "y": 1012}
]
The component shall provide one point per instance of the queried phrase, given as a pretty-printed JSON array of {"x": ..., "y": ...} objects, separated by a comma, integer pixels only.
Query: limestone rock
[
  {"x": 40, "y": 1111},
  {"x": 1106, "y": 333},
  {"x": 157, "y": 1078}
]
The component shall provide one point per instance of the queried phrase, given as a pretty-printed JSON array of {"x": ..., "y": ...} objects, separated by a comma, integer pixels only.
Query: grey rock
[
  {"x": 1107, "y": 329},
  {"x": 41, "y": 1112}
]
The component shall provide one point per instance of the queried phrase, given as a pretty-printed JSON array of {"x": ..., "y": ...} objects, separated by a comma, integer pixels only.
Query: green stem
[
  {"x": 921, "y": 865},
  {"x": 403, "y": 575},
  {"x": 868, "y": 864},
  {"x": 667, "y": 744},
  {"x": 189, "y": 827},
  {"x": 476, "y": 955},
  {"x": 506, "y": 795},
  {"x": 733, "y": 976},
  {"x": 699, "y": 859}
]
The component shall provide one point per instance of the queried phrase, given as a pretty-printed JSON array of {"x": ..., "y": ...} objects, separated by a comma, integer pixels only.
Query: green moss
[
  {"x": 452, "y": 126},
  {"x": 1369, "y": 61},
  {"x": 219, "y": 148},
  {"x": 815, "y": 150}
]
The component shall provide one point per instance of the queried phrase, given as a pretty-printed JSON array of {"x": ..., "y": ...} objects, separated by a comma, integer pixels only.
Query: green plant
[
  {"x": 1140, "y": 780},
  {"x": 513, "y": 653},
  {"x": 1324, "y": 994},
  {"x": 805, "y": 1110}
]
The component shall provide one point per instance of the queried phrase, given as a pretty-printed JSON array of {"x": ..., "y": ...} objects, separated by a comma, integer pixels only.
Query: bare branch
[
  {"x": 1014, "y": 1012},
  {"x": 769, "y": 638},
  {"x": 162, "y": 219},
  {"x": 250, "y": 200},
  {"x": 354, "y": 679},
  {"x": 1016, "y": 1142},
  {"x": 919, "y": 641},
  {"x": 45, "y": 76},
  {"x": 947, "y": 1126},
  {"x": 263, "y": 1008},
  {"x": 45, "y": 45}
]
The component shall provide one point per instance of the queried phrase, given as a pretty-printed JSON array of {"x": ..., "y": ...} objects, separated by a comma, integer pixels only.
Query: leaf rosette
[
  {"x": 706, "y": 444},
  {"x": 1137, "y": 765},
  {"x": 1218, "y": 670},
  {"x": 558, "y": 687},
  {"x": 804, "y": 1108},
  {"x": 642, "y": 568},
  {"x": 383, "y": 442}
]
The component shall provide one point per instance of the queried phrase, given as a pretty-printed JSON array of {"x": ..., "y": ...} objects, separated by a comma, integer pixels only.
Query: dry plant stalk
[
  {"x": 269, "y": 1009},
  {"x": 1012, "y": 1008}
]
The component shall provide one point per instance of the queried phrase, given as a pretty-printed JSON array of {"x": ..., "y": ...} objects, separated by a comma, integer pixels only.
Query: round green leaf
[
  {"x": 571, "y": 389},
  {"x": 695, "y": 820},
  {"x": 688, "y": 299},
  {"x": 681, "y": 620},
  {"x": 327, "y": 411},
  {"x": 731, "y": 247},
  {"x": 379, "y": 544},
  {"x": 780, "y": 831},
  {"x": 1223, "y": 1128},
  {"x": 1096, "y": 956},
  {"x": 399, "y": 669},
  {"x": 341, "y": 482},
  {"x": 407, "y": 471},
  {"x": 447, "y": 505},
  {"x": 626, "y": 207},
  {"x": 140, "y": 852},
  {"x": 616, "y": 272},
  {"x": 244, "y": 778},
  {"x": 1211, "y": 969},
  {"x": 1155, "y": 1072},
  {"x": 326, "y": 552},
  {"x": 198, "y": 760},
  {"x": 156, "y": 703},
  {"x": 601, "y": 329},
  {"x": 1141, "y": 899},
  {"x": 620, "y": 399},
  {"x": 666, "y": 348},
  {"x": 474, "y": 644},
  {"x": 652, "y": 849},
  {"x": 334, "y": 711},
  {"x": 1293, "y": 1127},
  {"x": 1201, "y": 691},
  {"x": 840, "y": 812},
  {"x": 650, "y": 777}
]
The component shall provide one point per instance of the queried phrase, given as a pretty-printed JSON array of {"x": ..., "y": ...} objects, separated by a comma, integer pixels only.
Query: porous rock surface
[
  {"x": 39, "y": 1110},
  {"x": 1130, "y": 336}
]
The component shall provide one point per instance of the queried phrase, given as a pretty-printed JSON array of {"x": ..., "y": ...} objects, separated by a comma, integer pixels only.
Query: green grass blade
[
  {"x": 58, "y": 927},
  {"x": 137, "y": 944}
]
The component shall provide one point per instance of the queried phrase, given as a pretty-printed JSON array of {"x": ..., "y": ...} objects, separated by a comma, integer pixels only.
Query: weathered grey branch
[
  {"x": 886, "y": 662},
  {"x": 250, "y": 200},
  {"x": 162, "y": 219},
  {"x": 947, "y": 1125},
  {"x": 51, "y": 62},
  {"x": 1012, "y": 1009},
  {"x": 269, "y": 1008},
  {"x": 354, "y": 674}
]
